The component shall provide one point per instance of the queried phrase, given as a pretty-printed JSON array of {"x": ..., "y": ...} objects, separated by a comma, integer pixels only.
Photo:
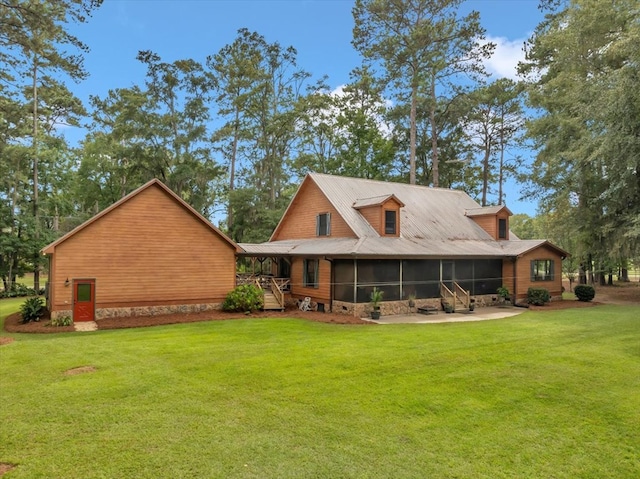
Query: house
[
  {"x": 149, "y": 253},
  {"x": 341, "y": 237}
]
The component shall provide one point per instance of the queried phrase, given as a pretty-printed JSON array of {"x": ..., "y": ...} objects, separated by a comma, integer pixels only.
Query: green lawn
[{"x": 541, "y": 395}]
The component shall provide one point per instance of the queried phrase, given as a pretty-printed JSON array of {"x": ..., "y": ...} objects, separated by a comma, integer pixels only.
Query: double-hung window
[
  {"x": 310, "y": 273},
  {"x": 542, "y": 270},
  {"x": 390, "y": 223},
  {"x": 323, "y": 224},
  {"x": 502, "y": 228}
]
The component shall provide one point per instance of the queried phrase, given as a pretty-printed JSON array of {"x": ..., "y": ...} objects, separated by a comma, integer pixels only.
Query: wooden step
[{"x": 271, "y": 303}]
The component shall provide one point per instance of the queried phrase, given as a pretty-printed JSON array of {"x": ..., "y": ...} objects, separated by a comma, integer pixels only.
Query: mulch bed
[
  {"x": 13, "y": 325},
  {"x": 565, "y": 304},
  {"x": 619, "y": 294}
]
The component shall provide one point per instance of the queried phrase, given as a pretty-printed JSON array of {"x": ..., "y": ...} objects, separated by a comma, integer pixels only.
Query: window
[
  {"x": 389, "y": 222},
  {"x": 542, "y": 270},
  {"x": 323, "y": 224},
  {"x": 502, "y": 228},
  {"x": 310, "y": 273}
]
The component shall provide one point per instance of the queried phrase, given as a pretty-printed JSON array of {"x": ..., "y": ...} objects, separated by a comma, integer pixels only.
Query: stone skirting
[
  {"x": 390, "y": 308},
  {"x": 103, "y": 313}
]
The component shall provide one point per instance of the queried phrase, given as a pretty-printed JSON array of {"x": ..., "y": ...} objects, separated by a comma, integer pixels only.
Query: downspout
[
  {"x": 332, "y": 285},
  {"x": 515, "y": 281},
  {"x": 355, "y": 285}
]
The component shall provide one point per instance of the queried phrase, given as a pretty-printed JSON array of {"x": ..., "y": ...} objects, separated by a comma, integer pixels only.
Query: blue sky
[{"x": 320, "y": 30}]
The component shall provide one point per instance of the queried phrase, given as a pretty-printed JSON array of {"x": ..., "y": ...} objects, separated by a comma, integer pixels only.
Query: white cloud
[{"x": 505, "y": 58}]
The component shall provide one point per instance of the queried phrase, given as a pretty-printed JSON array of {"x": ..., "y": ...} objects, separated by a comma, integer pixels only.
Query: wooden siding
[
  {"x": 523, "y": 269},
  {"x": 321, "y": 294},
  {"x": 300, "y": 218},
  {"x": 150, "y": 250},
  {"x": 503, "y": 215},
  {"x": 508, "y": 275},
  {"x": 490, "y": 223},
  {"x": 375, "y": 216},
  {"x": 391, "y": 205}
]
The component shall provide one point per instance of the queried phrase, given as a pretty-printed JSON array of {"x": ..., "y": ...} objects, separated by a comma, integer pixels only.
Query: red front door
[{"x": 84, "y": 299}]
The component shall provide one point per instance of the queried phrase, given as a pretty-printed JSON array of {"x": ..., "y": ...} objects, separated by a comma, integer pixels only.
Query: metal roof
[
  {"x": 435, "y": 214},
  {"x": 433, "y": 222},
  {"x": 486, "y": 210},
  {"x": 392, "y": 247}
]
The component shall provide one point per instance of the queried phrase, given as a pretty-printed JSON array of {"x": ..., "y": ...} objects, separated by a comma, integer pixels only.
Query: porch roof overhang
[{"x": 383, "y": 247}]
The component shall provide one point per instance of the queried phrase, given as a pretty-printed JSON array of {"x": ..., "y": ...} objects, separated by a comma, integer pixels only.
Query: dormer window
[
  {"x": 323, "y": 224},
  {"x": 502, "y": 228},
  {"x": 390, "y": 222}
]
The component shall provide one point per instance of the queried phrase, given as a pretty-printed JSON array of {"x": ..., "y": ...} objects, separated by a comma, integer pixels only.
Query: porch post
[{"x": 355, "y": 285}]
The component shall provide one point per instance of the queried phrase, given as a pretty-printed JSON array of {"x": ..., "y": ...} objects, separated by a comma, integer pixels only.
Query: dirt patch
[
  {"x": 80, "y": 370},
  {"x": 5, "y": 340},
  {"x": 6, "y": 467}
]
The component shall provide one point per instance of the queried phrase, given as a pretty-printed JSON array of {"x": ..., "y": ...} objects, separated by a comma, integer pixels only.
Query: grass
[{"x": 545, "y": 394}]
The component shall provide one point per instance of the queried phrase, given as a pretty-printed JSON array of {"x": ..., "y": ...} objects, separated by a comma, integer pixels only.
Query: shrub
[
  {"x": 244, "y": 298},
  {"x": 538, "y": 296},
  {"x": 32, "y": 310},
  {"x": 584, "y": 292},
  {"x": 503, "y": 292},
  {"x": 62, "y": 321},
  {"x": 19, "y": 290}
]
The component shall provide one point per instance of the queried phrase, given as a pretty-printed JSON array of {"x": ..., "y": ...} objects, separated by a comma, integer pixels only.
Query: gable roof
[
  {"x": 375, "y": 201},
  {"x": 434, "y": 222},
  {"x": 155, "y": 183},
  {"x": 428, "y": 214},
  {"x": 487, "y": 210}
]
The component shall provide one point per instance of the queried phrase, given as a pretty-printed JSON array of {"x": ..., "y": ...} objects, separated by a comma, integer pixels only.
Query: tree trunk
[
  {"x": 232, "y": 167},
  {"x": 434, "y": 136},
  {"x": 485, "y": 171},
  {"x": 413, "y": 135},
  {"x": 582, "y": 274},
  {"x": 501, "y": 168},
  {"x": 36, "y": 253},
  {"x": 624, "y": 276}
]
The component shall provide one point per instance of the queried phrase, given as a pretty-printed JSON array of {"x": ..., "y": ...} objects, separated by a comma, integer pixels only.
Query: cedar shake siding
[
  {"x": 300, "y": 219},
  {"x": 150, "y": 250}
]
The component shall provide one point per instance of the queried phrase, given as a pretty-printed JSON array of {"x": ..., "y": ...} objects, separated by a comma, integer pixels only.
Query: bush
[
  {"x": 584, "y": 292},
  {"x": 62, "y": 321},
  {"x": 538, "y": 296},
  {"x": 19, "y": 290},
  {"x": 32, "y": 310},
  {"x": 244, "y": 298},
  {"x": 503, "y": 292}
]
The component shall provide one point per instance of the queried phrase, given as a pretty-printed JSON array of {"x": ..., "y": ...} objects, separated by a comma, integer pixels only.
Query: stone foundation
[
  {"x": 61, "y": 314},
  {"x": 390, "y": 308},
  {"x": 103, "y": 313}
]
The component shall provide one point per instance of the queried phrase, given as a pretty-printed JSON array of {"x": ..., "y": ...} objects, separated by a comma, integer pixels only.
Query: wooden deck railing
[
  {"x": 462, "y": 295},
  {"x": 447, "y": 295},
  {"x": 278, "y": 286},
  {"x": 277, "y": 292}
]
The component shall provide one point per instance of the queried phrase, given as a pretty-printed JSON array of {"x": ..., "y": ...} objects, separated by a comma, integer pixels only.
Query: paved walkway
[
  {"x": 480, "y": 314},
  {"x": 85, "y": 326}
]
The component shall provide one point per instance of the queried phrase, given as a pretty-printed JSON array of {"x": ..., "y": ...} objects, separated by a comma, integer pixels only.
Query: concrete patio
[{"x": 480, "y": 314}]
